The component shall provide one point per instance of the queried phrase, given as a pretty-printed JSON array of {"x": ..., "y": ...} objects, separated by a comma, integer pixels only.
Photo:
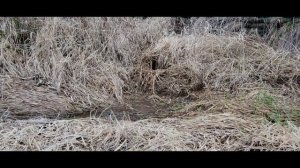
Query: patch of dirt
[{"x": 137, "y": 107}]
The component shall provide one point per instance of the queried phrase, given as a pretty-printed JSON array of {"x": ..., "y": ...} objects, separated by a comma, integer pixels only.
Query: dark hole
[{"x": 153, "y": 64}]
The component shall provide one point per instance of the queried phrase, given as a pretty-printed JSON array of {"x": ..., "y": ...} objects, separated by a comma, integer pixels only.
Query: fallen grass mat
[{"x": 207, "y": 132}]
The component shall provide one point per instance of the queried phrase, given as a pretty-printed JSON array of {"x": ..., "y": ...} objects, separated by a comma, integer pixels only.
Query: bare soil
[{"x": 137, "y": 107}]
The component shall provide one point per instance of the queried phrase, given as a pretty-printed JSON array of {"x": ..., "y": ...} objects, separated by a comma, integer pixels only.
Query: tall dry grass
[
  {"x": 91, "y": 61},
  {"x": 86, "y": 60}
]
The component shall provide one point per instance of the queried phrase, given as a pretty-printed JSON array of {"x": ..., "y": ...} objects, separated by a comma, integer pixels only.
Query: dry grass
[
  {"x": 86, "y": 60},
  {"x": 216, "y": 62},
  {"x": 52, "y": 67},
  {"x": 213, "y": 132}
]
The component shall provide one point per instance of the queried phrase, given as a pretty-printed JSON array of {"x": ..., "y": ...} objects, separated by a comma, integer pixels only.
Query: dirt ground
[{"x": 138, "y": 107}]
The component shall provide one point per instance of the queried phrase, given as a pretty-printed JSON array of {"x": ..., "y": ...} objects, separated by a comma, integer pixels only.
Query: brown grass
[
  {"x": 216, "y": 62},
  {"x": 51, "y": 67},
  {"x": 213, "y": 132}
]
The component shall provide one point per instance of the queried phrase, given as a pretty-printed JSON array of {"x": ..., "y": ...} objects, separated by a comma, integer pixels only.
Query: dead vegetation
[
  {"x": 216, "y": 79},
  {"x": 182, "y": 64},
  {"x": 211, "y": 132}
]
